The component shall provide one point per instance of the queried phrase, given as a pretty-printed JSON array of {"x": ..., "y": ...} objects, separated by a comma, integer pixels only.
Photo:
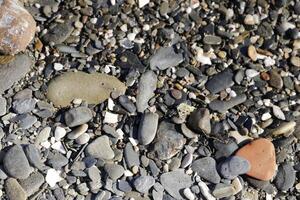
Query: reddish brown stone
[
  {"x": 17, "y": 27},
  {"x": 265, "y": 76},
  {"x": 261, "y": 155}
]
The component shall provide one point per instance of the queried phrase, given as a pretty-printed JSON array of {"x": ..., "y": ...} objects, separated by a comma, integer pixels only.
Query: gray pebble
[
  {"x": 100, "y": 148},
  {"x": 206, "y": 168},
  {"x": 13, "y": 190},
  {"x": 124, "y": 186},
  {"x": 199, "y": 120},
  {"x": 223, "y": 106},
  {"x": 78, "y": 116},
  {"x": 33, "y": 156},
  {"x": 131, "y": 157},
  {"x": 2, "y": 106},
  {"x": 147, "y": 128},
  {"x": 114, "y": 171},
  {"x": 234, "y": 166},
  {"x": 21, "y": 106},
  {"x": 285, "y": 177},
  {"x": 220, "y": 81},
  {"x": 32, "y": 184},
  {"x": 222, "y": 190},
  {"x": 212, "y": 40},
  {"x": 127, "y": 104},
  {"x": 143, "y": 183},
  {"x": 164, "y": 58},
  {"x": 57, "y": 160}
]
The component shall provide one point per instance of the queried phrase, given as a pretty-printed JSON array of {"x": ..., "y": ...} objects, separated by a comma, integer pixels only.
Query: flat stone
[
  {"x": 78, "y": 131},
  {"x": 25, "y": 121},
  {"x": 83, "y": 139},
  {"x": 131, "y": 157},
  {"x": 275, "y": 79},
  {"x": 174, "y": 182},
  {"x": 57, "y": 160},
  {"x": 261, "y": 155},
  {"x": 234, "y": 166},
  {"x": 114, "y": 171},
  {"x": 199, "y": 120},
  {"x": 33, "y": 183},
  {"x": 14, "y": 70},
  {"x": 220, "y": 81},
  {"x": 145, "y": 91},
  {"x": 286, "y": 177},
  {"x": 124, "y": 186},
  {"x": 222, "y": 190},
  {"x": 223, "y": 106},
  {"x": 100, "y": 148},
  {"x": 143, "y": 183},
  {"x": 263, "y": 185},
  {"x": 78, "y": 116},
  {"x": 2, "y": 106},
  {"x": 127, "y": 104},
  {"x": 147, "y": 128},
  {"x": 165, "y": 57},
  {"x": 13, "y": 190},
  {"x": 93, "y": 88},
  {"x": 212, "y": 40},
  {"x": 33, "y": 155},
  {"x": 21, "y": 106},
  {"x": 206, "y": 168},
  {"x": 15, "y": 163},
  {"x": 17, "y": 27}
]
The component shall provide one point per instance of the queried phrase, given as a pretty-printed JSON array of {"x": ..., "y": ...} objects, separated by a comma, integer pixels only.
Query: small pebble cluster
[{"x": 149, "y": 99}]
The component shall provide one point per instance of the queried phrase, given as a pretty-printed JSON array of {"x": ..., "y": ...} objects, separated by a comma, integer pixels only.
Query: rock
[
  {"x": 278, "y": 112},
  {"x": 252, "y": 53},
  {"x": 223, "y": 106},
  {"x": 114, "y": 171},
  {"x": 78, "y": 132},
  {"x": 164, "y": 58},
  {"x": 53, "y": 177},
  {"x": 212, "y": 40},
  {"x": 15, "y": 163},
  {"x": 59, "y": 133},
  {"x": 24, "y": 121},
  {"x": 286, "y": 177},
  {"x": 143, "y": 183},
  {"x": 131, "y": 157},
  {"x": 168, "y": 144},
  {"x": 263, "y": 185},
  {"x": 124, "y": 186},
  {"x": 206, "y": 168},
  {"x": 33, "y": 156},
  {"x": 220, "y": 81},
  {"x": 33, "y": 183},
  {"x": 222, "y": 190},
  {"x": 57, "y": 160},
  {"x": 78, "y": 116},
  {"x": 14, "y": 70},
  {"x": 174, "y": 182},
  {"x": 284, "y": 128},
  {"x": 127, "y": 103},
  {"x": 147, "y": 128},
  {"x": 145, "y": 91},
  {"x": 275, "y": 79},
  {"x": 2, "y": 106},
  {"x": 83, "y": 139},
  {"x": 224, "y": 150},
  {"x": 249, "y": 20},
  {"x": 234, "y": 166},
  {"x": 93, "y": 88},
  {"x": 142, "y": 3},
  {"x": 188, "y": 194},
  {"x": 199, "y": 120},
  {"x": 21, "y": 106},
  {"x": 100, "y": 148},
  {"x": 13, "y": 190},
  {"x": 17, "y": 27},
  {"x": 295, "y": 61},
  {"x": 94, "y": 174},
  {"x": 261, "y": 155}
]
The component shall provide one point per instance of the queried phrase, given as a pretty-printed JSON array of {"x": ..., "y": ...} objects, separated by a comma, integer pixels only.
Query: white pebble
[
  {"x": 58, "y": 66},
  {"x": 110, "y": 118},
  {"x": 59, "y": 133},
  {"x": 205, "y": 191},
  {"x": 269, "y": 62},
  {"x": 146, "y": 27},
  {"x": 53, "y": 177},
  {"x": 278, "y": 112},
  {"x": 266, "y": 116},
  {"x": 128, "y": 173},
  {"x": 59, "y": 147},
  {"x": 251, "y": 73},
  {"x": 188, "y": 194},
  {"x": 142, "y": 3},
  {"x": 93, "y": 20},
  {"x": 131, "y": 36},
  {"x": 111, "y": 104}
]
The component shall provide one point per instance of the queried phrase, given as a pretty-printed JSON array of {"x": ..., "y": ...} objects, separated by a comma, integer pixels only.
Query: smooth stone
[
  {"x": 14, "y": 190},
  {"x": 263, "y": 185},
  {"x": 57, "y": 160},
  {"x": 127, "y": 103},
  {"x": 222, "y": 190},
  {"x": 59, "y": 133},
  {"x": 78, "y": 116},
  {"x": 145, "y": 91},
  {"x": 284, "y": 128},
  {"x": 21, "y": 106},
  {"x": 199, "y": 120},
  {"x": 143, "y": 183},
  {"x": 220, "y": 82},
  {"x": 275, "y": 79},
  {"x": 2, "y": 106},
  {"x": 94, "y": 173},
  {"x": 131, "y": 156},
  {"x": 3, "y": 175},
  {"x": 83, "y": 139},
  {"x": 224, "y": 150},
  {"x": 261, "y": 155},
  {"x": 33, "y": 183},
  {"x": 252, "y": 53},
  {"x": 33, "y": 155},
  {"x": 286, "y": 177},
  {"x": 176, "y": 181},
  {"x": 25, "y": 121},
  {"x": 17, "y": 27},
  {"x": 223, "y": 106},
  {"x": 212, "y": 40},
  {"x": 164, "y": 58},
  {"x": 93, "y": 88},
  {"x": 14, "y": 70},
  {"x": 234, "y": 166},
  {"x": 114, "y": 171},
  {"x": 124, "y": 186},
  {"x": 188, "y": 194},
  {"x": 15, "y": 163},
  {"x": 206, "y": 168},
  {"x": 278, "y": 113},
  {"x": 147, "y": 128},
  {"x": 239, "y": 76},
  {"x": 78, "y": 131},
  {"x": 100, "y": 148},
  {"x": 43, "y": 135},
  {"x": 295, "y": 61}
]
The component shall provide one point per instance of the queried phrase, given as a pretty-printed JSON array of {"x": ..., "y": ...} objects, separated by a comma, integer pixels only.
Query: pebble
[
  {"x": 14, "y": 190},
  {"x": 100, "y": 148},
  {"x": 110, "y": 118},
  {"x": 77, "y": 132},
  {"x": 220, "y": 82},
  {"x": 124, "y": 186},
  {"x": 286, "y": 177},
  {"x": 33, "y": 183},
  {"x": 261, "y": 155},
  {"x": 206, "y": 168},
  {"x": 278, "y": 112},
  {"x": 17, "y": 27},
  {"x": 284, "y": 128},
  {"x": 33, "y": 155},
  {"x": 93, "y": 88},
  {"x": 131, "y": 156},
  {"x": 188, "y": 194},
  {"x": 249, "y": 20},
  {"x": 275, "y": 79},
  {"x": 223, "y": 106},
  {"x": 143, "y": 183},
  {"x": 114, "y": 171},
  {"x": 222, "y": 190},
  {"x": 53, "y": 177},
  {"x": 142, "y": 3},
  {"x": 251, "y": 73},
  {"x": 145, "y": 91},
  {"x": 199, "y": 120},
  {"x": 57, "y": 160},
  {"x": 21, "y": 106},
  {"x": 234, "y": 166},
  {"x": 25, "y": 121},
  {"x": 2, "y": 106},
  {"x": 164, "y": 58},
  {"x": 14, "y": 70},
  {"x": 147, "y": 128},
  {"x": 176, "y": 181},
  {"x": 127, "y": 103},
  {"x": 59, "y": 133},
  {"x": 295, "y": 61},
  {"x": 212, "y": 40},
  {"x": 15, "y": 163},
  {"x": 252, "y": 53},
  {"x": 83, "y": 139},
  {"x": 78, "y": 116}
]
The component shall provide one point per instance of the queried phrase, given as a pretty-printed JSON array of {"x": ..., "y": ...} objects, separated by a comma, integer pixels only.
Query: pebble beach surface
[{"x": 149, "y": 100}]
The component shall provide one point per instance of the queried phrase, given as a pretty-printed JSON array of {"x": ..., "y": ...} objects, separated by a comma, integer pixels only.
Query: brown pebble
[
  {"x": 295, "y": 61},
  {"x": 265, "y": 76},
  {"x": 252, "y": 53},
  {"x": 177, "y": 94}
]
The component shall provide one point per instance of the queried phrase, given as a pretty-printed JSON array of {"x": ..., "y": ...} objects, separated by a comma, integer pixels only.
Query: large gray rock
[
  {"x": 14, "y": 70},
  {"x": 100, "y": 148},
  {"x": 206, "y": 168},
  {"x": 131, "y": 157},
  {"x": 148, "y": 128},
  {"x": 78, "y": 116}
]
